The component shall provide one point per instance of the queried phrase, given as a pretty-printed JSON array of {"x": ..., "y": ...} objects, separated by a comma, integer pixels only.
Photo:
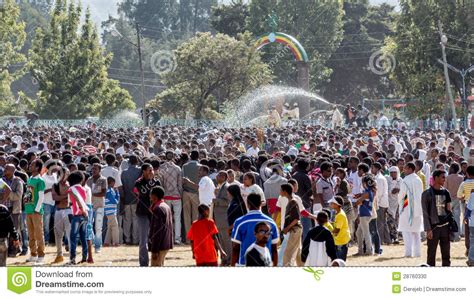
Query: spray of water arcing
[{"x": 250, "y": 108}]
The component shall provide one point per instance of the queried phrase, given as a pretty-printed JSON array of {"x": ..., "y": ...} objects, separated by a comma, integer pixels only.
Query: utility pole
[
  {"x": 139, "y": 46},
  {"x": 443, "y": 43}
]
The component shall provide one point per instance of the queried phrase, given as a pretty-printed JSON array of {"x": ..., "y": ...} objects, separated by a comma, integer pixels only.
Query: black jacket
[
  {"x": 428, "y": 204},
  {"x": 6, "y": 224}
]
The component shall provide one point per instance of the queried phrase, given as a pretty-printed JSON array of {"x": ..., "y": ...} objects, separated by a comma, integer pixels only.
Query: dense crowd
[{"x": 298, "y": 195}]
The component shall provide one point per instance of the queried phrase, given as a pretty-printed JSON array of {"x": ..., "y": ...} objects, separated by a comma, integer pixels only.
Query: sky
[{"x": 101, "y": 9}]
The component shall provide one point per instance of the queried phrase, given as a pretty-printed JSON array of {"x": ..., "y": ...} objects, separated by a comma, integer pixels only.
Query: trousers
[{"x": 412, "y": 241}]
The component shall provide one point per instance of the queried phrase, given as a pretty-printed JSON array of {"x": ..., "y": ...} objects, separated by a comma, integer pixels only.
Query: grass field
[{"x": 181, "y": 256}]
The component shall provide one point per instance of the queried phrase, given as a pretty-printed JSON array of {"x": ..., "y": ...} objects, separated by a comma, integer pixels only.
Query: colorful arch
[{"x": 289, "y": 41}]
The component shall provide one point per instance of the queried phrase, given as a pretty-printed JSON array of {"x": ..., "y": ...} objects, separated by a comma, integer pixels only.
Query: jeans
[
  {"x": 306, "y": 223},
  {"x": 48, "y": 213},
  {"x": 456, "y": 210},
  {"x": 363, "y": 236},
  {"x": 374, "y": 234},
  {"x": 341, "y": 252},
  {"x": 441, "y": 237},
  {"x": 98, "y": 226},
  {"x": 143, "y": 231},
  {"x": 471, "y": 248},
  {"x": 78, "y": 226},
  {"x": 176, "y": 206},
  {"x": 24, "y": 234}
]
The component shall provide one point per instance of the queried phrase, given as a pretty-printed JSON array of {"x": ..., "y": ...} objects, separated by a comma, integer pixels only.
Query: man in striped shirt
[
  {"x": 77, "y": 197},
  {"x": 464, "y": 194}
]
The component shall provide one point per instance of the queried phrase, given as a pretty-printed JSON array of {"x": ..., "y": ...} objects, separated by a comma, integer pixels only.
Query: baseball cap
[{"x": 336, "y": 200}]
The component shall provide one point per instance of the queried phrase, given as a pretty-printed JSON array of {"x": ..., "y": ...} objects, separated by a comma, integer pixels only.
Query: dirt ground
[{"x": 181, "y": 256}]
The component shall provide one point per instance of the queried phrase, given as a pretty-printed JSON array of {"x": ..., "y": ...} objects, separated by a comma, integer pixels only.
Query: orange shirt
[{"x": 201, "y": 234}]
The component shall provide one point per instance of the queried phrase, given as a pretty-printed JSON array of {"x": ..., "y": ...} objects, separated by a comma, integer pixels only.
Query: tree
[
  {"x": 317, "y": 25},
  {"x": 12, "y": 38},
  {"x": 71, "y": 67},
  {"x": 210, "y": 69},
  {"x": 416, "y": 48},
  {"x": 365, "y": 29},
  {"x": 230, "y": 19}
]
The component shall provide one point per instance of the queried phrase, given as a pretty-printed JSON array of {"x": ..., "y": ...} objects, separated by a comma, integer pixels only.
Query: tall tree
[
  {"x": 365, "y": 29},
  {"x": 12, "y": 38},
  {"x": 417, "y": 50},
  {"x": 211, "y": 71},
  {"x": 230, "y": 19},
  {"x": 71, "y": 67}
]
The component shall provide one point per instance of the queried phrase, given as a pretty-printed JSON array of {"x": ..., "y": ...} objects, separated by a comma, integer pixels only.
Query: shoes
[
  {"x": 58, "y": 259},
  {"x": 177, "y": 242},
  {"x": 40, "y": 260},
  {"x": 23, "y": 253},
  {"x": 396, "y": 242},
  {"x": 84, "y": 260},
  {"x": 32, "y": 259},
  {"x": 72, "y": 262},
  {"x": 67, "y": 248},
  {"x": 106, "y": 245},
  {"x": 97, "y": 250}
]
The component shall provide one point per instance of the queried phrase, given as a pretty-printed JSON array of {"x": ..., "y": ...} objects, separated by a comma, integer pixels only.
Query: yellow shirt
[
  {"x": 464, "y": 191},
  {"x": 329, "y": 226},
  {"x": 344, "y": 235}
]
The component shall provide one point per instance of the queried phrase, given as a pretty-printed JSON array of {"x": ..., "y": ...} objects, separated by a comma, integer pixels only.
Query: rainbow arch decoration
[{"x": 289, "y": 41}]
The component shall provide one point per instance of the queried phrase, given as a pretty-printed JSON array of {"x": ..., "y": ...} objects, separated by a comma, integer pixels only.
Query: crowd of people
[{"x": 283, "y": 196}]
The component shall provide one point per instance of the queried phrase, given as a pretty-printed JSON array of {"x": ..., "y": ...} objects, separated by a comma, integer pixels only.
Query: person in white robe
[
  {"x": 337, "y": 119},
  {"x": 410, "y": 223}
]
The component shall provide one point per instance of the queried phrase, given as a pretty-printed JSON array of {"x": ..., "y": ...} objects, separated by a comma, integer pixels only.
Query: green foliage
[
  {"x": 365, "y": 28},
  {"x": 211, "y": 70},
  {"x": 317, "y": 25},
  {"x": 230, "y": 19},
  {"x": 71, "y": 67},
  {"x": 416, "y": 47},
  {"x": 12, "y": 38}
]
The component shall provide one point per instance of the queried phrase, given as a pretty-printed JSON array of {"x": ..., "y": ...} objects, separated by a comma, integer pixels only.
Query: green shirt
[{"x": 35, "y": 185}]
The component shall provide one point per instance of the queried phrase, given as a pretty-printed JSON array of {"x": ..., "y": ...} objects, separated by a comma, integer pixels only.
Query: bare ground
[{"x": 181, "y": 256}]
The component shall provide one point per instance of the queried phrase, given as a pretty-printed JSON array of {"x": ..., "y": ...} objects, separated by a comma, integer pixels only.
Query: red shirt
[{"x": 201, "y": 234}]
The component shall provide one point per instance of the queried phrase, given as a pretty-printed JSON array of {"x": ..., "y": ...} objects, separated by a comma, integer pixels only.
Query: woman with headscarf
[{"x": 237, "y": 207}]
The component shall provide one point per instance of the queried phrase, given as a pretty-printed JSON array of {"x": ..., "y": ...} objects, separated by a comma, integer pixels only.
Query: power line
[{"x": 133, "y": 84}]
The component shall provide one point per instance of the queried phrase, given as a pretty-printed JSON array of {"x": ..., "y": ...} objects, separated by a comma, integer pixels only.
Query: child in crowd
[
  {"x": 161, "y": 228},
  {"x": 204, "y": 241},
  {"x": 112, "y": 198},
  {"x": 318, "y": 246},
  {"x": 258, "y": 255},
  {"x": 341, "y": 232}
]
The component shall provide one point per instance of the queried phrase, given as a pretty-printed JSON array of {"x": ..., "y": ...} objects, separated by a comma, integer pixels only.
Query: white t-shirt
[
  {"x": 252, "y": 152},
  {"x": 110, "y": 171},
  {"x": 88, "y": 195},
  {"x": 206, "y": 190},
  {"x": 283, "y": 202},
  {"x": 49, "y": 181}
]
